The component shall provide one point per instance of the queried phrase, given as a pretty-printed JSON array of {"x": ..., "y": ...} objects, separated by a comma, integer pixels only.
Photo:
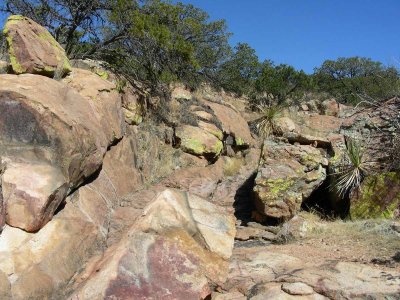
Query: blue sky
[{"x": 304, "y": 33}]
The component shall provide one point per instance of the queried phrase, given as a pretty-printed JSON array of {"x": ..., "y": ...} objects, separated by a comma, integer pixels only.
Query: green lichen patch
[
  {"x": 193, "y": 146},
  {"x": 379, "y": 197}
]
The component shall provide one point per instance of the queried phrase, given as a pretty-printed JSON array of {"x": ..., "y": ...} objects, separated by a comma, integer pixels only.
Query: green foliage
[
  {"x": 280, "y": 82},
  {"x": 266, "y": 125},
  {"x": 239, "y": 73},
  {"x": 153, "y": 41},
  {"x": 352, "y": 170},
  {"x": 357, "y": 79}
]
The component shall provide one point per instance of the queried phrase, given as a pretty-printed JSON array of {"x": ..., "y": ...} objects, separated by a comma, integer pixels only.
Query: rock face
[
  {"x": 378, "y": 197},
  {"x": 33, "y": 50},
  {"x": 39, "y": 265},
  {"x": 171, "y": 252},
  {"x": 50, "y": 143},
  {"x": 287, "y": 175}
]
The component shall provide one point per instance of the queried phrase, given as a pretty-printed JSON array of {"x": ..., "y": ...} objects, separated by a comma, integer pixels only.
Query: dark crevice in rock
[
  {"x": 326, "y": 203},
  {"x": 244, "y": 204}
]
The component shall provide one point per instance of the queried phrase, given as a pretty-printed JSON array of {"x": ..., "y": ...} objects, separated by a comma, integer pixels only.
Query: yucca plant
[
  {"x": 352, "y": 170},
  {"x": 266, "y": 125}
]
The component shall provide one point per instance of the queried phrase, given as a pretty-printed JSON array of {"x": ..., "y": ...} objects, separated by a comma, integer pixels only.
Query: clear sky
[{"x": 304, "y": 33}]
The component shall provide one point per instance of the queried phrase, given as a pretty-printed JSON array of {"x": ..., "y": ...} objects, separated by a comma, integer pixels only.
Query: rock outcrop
[
  {"x": 50, "y": 136},
  {"x": 287, "y": 175},
  {"x": 32, "y": 49}
]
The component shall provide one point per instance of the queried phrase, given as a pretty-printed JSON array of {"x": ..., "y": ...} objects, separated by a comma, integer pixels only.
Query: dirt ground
[{"x": 374, "y": 242}]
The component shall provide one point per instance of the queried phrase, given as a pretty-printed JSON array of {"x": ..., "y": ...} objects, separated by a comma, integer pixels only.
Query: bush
[
  {"x": 266, "y": 125},
  {"x": 352, "y": 169}
]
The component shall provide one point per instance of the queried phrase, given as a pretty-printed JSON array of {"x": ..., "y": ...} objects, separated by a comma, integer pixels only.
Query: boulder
[
  {"x": 197, "y": 141},
  {"x": 287, "y": 175},
  {"x": 314, "y": 129},
  {"x": 176, "y": 209},
  {"x": 284, "y": 125},
  {"x": 33, "y": 50},
  {"x": 50, "y": 136},
  {"x": 378, "y": 197},
  {"x": 176, "y": 249},
  {"x": 232, "y": 123},
  {"x": 106, "y": 101},
  {"x": 33, "y": 192}
]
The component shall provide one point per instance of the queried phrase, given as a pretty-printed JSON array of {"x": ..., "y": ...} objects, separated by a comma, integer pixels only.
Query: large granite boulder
[
  {"x": 287, "y": 175},
  {"x": 176, "y": 249},
  {"x": 50, "y": 143},
  {"x": 33, "y": 50}
]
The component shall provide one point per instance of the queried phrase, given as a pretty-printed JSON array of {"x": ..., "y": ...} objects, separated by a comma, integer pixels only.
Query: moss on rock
[{"x": 378, "y": 197}]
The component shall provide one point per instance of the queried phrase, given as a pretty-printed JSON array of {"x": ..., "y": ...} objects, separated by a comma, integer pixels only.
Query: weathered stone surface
[
  {"x": 297, "y": 288},
  {"x": 341, "y": 280},
  {"x": 132, "y": 107},
  {"x": 54, "y": 133},
  {"x": 284, "y": 125},
  {"x": 315, "y": 129},
  {"x": 32, "y": 49},
  {"x": 251, "y": 265},
  {"x": 298, "y": 227},
  {"x": 121, "y": 168},
  {"x": 232, "y": 123},
  {"x": 378, "y": 197},
  {"x": 175, "y": 209},
  {"x": 32, "y": 192},
  {"x": 172, "y": 251},
  {"x": 103, "y": 97},
  {"x": 262, "y": 274},
  {"x": 272, "y": 291},
  {"x": 330, "y": 107},
  {"x": 40, "y": 265},
  {"x": 197, "y": 141},
  {"x": 228, "y": 296},
  {"x": 5, "y": 292},
  {"x": 178, "y": 91},
  {"x": 199, "y": 181},
  {"x": 287, "y": 175}
]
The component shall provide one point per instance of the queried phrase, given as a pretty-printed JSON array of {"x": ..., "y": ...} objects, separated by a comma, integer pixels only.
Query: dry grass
[{"x": 232, "y": 166}]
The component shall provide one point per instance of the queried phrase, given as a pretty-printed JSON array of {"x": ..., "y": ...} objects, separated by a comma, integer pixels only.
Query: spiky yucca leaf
[
  {"x": 352, "y": 170},
  {"x": 266, "y": 124}
]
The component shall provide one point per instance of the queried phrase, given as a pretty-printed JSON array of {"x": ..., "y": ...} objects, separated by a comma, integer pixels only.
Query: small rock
[{"x": 297, "y": 289}]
